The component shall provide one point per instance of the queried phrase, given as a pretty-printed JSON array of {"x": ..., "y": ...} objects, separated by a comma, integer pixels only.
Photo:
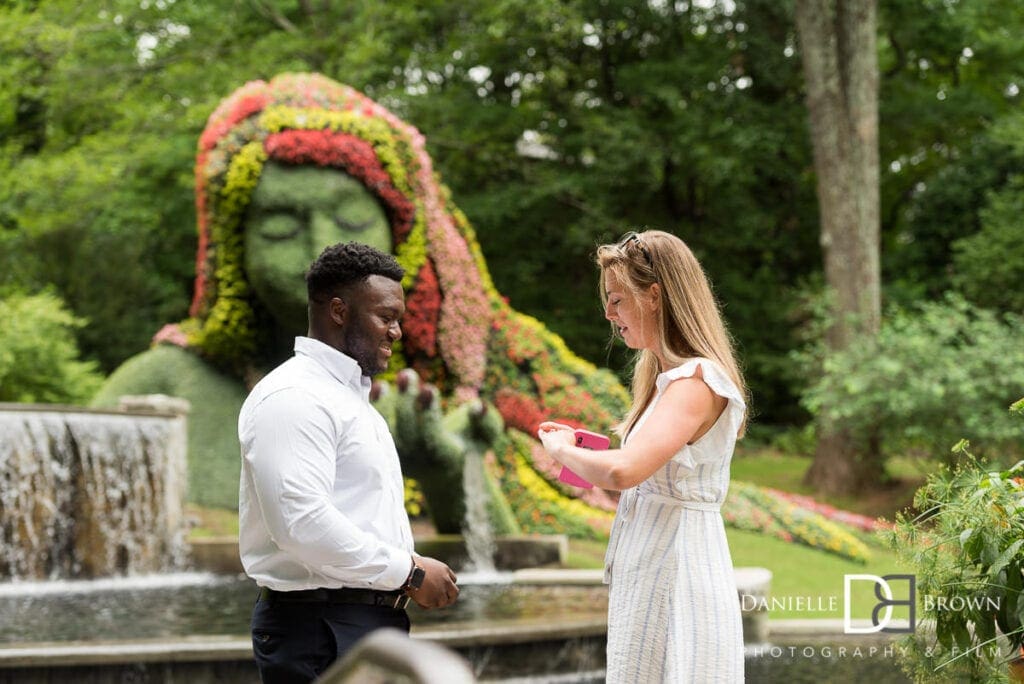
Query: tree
[
  {"x": 679, "y": 116},
  {"x": 39, "y": 359},
  {"x": 950, "y": 86},
  {"x": 838, "y": 44},
  {"x": 556, "y": 124}
]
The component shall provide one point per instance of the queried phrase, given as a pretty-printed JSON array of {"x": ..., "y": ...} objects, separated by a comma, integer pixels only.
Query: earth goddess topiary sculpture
[{"x": 287, "y": 167}]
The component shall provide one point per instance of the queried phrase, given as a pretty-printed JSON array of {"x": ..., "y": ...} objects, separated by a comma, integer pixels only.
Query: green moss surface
[{"x": 216, "y": 398}]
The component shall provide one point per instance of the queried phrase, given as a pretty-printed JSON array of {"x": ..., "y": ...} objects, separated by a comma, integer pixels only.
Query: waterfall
[
  {"x": 477, "y": 532},
  {"x": 88, "y": 493}
]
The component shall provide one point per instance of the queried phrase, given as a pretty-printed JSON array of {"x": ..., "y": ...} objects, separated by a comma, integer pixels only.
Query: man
[{"x": 323, "y": 529}]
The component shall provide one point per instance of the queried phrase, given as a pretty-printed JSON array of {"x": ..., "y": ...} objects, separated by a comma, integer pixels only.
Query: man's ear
[{"x": 338, "y": 310}]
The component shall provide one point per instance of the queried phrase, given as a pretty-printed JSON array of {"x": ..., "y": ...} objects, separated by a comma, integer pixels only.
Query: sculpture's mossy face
[{"x": 295, "y": 212}]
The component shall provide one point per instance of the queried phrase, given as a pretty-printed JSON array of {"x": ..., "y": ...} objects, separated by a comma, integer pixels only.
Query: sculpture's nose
[{"x": 323, "y": 230}]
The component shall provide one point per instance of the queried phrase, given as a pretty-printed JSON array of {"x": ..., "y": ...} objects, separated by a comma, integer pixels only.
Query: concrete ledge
[
  {"x": 217, "y": 648},
  {"x": 755, "y": 582},
  {"x": 147, "y": 651}
]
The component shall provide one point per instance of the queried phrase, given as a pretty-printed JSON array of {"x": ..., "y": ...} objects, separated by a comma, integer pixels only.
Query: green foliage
[
  {"x": 945, "y": 210},
  {"x": 39, "y": 357},
  {"x": 593, "y": 118},
  {"x": 935, "y": 373},
  {"x": 946, "y": 70},
  {"x": 989, "y": 265},
  {"x": 414, "y": 499},
  {"x": 683, "y": 116},
  {"x": 434, "y": 447},
  {"x": 966, "y": 548}
]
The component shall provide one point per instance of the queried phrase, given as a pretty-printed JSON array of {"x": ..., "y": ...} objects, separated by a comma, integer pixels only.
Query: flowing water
[
  {"x": 88, "y": 493},
  {"x": 476, "y": 531}
]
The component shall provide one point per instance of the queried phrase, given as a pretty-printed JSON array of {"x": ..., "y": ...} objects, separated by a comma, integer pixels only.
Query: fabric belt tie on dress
[
  {"x": 370, "y": 597},
  {"x": 713, "y": 506}
]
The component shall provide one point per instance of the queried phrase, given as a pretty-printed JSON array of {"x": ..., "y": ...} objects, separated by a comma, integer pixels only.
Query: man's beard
[{"x": 366, "y": 353}]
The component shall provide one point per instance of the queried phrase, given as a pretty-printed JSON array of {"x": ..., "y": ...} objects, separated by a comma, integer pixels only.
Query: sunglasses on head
[{"x": 633, "y": 237}]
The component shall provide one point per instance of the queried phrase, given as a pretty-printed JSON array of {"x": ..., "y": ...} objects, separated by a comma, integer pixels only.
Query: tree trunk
[{"x": 838, "y": 45}]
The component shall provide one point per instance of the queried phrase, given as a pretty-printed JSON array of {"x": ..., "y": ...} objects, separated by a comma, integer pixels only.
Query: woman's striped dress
[{"x": 673, "y": 611}]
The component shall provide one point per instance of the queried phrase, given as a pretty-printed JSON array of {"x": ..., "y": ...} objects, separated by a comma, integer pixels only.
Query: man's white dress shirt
[{"x": 321, "y": 498}]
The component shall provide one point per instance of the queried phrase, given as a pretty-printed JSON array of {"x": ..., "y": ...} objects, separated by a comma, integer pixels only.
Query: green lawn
[
  {"x": 770, "y": 468},
  {"x": 800, "y": 571},
  {"x": 211, "y": 522}
]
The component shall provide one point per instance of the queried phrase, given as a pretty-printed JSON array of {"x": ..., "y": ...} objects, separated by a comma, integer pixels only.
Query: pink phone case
[{"x": 587, "y": 440}]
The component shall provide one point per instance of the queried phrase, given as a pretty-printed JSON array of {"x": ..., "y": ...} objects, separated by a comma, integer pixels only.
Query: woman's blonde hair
[{"x": 689, "y": 322}]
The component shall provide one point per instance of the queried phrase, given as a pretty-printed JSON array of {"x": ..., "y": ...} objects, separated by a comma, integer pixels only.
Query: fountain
[
  {"x": 92, "y": 493},
  {"x": 98, "y": 495}
]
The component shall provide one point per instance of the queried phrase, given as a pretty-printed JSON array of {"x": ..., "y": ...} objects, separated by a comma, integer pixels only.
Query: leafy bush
[
  {"x": 989, "y": 265},
  {"x": 39, "y": 358},
  {"x": 966, "y": 552},
  {"x": 933, "y": 375}
]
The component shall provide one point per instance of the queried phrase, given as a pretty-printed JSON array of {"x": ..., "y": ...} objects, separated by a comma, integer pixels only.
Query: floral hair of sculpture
[
  {"x": 459, "y": 333},
  {"x": 311, "y": 120}
]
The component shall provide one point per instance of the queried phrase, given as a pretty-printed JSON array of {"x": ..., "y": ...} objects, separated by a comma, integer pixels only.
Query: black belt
[{"x": 370, "y": 597}]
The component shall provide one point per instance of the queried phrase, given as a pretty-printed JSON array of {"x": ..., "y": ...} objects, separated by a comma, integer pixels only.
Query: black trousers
[{"x": 295, "y": 642}]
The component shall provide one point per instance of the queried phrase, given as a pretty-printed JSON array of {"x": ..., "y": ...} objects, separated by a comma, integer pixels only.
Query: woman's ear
[{"x": 653, "y": 299}]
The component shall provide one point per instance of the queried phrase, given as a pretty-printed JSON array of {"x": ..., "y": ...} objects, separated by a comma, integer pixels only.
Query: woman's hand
[{"x": 554, "y": 436}]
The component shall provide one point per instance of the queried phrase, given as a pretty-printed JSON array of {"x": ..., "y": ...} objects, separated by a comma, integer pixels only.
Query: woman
[{"x": 673, "y": 613}]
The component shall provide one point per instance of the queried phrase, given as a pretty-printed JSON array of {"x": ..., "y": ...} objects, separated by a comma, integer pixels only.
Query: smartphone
[
  {"x": 591, "y": 440},
  {"x": 587, "y": 440}
]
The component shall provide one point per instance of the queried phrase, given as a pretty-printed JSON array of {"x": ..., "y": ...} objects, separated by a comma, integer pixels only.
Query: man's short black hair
[{"x": 342, "y": 265}]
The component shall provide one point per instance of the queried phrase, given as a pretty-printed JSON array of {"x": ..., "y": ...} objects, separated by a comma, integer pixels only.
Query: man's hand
[{"x": 439, "y": 589}]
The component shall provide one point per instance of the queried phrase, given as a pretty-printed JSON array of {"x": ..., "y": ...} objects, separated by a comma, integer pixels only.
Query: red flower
[
  {"x": 423, "y": 306},
  {"x": 353, "y": 155},
  {"x": 520, "y": 411}
]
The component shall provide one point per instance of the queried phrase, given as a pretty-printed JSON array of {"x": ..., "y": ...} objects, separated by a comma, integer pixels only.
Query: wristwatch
[{"x": 415, "y": 578}]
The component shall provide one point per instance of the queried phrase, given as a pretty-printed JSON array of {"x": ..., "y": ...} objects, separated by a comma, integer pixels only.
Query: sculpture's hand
[{"x": 433, "y": 445}]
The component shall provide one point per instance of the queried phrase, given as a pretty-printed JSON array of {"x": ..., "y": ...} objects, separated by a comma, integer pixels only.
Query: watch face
[{"x": 418, "y": 575}]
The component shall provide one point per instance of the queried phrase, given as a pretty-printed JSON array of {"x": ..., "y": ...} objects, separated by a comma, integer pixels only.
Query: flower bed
[
  {"x": 856, "y": 520},
  {"x": 750, "y": 507}
]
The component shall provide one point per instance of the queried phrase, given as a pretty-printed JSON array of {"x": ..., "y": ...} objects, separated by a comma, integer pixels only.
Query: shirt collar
[{"x": 343, "y": 367}]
